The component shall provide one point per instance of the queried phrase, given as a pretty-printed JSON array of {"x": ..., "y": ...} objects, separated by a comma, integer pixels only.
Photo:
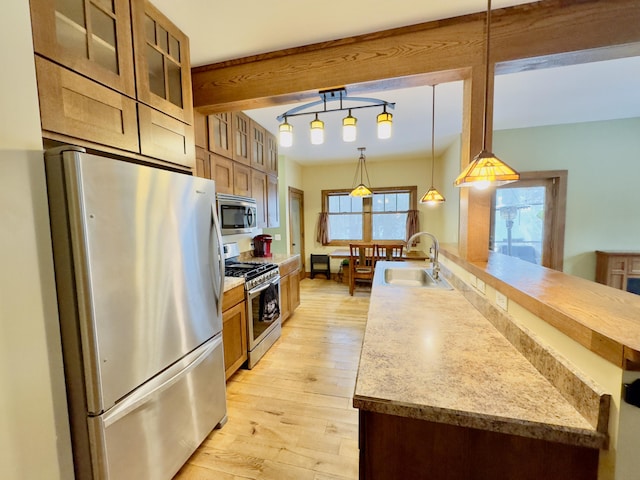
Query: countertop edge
[
  {"x": 541, "y": 431},
  {"x": 575, "y": 306}
]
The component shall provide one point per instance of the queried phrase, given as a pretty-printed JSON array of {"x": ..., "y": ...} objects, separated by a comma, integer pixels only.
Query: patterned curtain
[
  {"x": 413, "y": 223},
  {"x": 322, "y": 231}
]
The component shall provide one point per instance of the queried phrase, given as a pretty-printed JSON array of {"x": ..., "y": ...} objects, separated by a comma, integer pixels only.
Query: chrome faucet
[{"x": 436, "y": 250}]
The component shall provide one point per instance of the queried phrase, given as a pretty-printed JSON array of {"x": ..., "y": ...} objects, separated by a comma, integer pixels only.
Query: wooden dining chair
[
  {"x": 362, "y": 261},
  {"x": 390, "y": 252}
]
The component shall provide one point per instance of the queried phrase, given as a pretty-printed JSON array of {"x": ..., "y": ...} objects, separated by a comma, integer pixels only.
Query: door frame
[
  {"x": 294, "y": 192},
  {"x": 555, "y": 182}
]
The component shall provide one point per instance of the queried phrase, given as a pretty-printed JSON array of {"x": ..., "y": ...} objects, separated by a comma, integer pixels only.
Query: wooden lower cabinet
[
  {"x": 289, "y": 286},
  {"x": 285, "y": 298},
  {"x": 234, "y": 330},
  {"x": 401, "y": 447}
]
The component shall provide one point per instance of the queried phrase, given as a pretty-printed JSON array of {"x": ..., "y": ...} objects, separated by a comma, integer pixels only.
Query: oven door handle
[{"x": 264, "y": 286}]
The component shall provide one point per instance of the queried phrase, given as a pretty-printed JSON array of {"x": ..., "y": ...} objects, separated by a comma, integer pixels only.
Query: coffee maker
[{"x": 262, "y": 246}]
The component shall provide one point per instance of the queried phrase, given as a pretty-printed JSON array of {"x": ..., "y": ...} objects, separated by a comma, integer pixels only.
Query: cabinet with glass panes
[
  {"x": 87, "y": 75},
  {"x": 91, "y": 37}
]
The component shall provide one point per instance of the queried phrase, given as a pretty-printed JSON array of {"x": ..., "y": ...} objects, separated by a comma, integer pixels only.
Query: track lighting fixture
[{"x": 349, "y": 131}]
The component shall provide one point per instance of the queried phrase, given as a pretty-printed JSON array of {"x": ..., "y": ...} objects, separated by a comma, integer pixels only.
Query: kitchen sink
[{"x": 413, "y": 277}]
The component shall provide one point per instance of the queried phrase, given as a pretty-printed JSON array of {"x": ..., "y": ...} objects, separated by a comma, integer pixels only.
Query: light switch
[{"x": 278, "y": 237}]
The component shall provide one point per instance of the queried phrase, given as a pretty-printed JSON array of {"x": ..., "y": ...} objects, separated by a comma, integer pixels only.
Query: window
[
  {"x": 527, "y": 218},
  {"x": 378, "y": 218}
]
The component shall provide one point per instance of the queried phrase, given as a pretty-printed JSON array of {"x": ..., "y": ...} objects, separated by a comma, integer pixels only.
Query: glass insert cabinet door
[
  {"x": 91, "y": 37},
  {"x": 163, "y": 71}
]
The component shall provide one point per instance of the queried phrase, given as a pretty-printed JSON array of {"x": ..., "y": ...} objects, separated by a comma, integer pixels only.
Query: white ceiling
[{"x": 221, "y": 31}]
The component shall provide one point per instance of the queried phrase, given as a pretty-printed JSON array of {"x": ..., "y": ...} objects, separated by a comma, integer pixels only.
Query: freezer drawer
[{"x": 152, "y": 432}]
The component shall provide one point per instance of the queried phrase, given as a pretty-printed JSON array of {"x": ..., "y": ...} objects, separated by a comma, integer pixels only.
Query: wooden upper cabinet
[
  {"x": 200, "y": 129},
  {"x": 76, "y": 107},
  {"x": 241, "y": 138},
  {"x": 203, "y": 163},
  {"x": 259, "y": 192},
  {"x": 163, "y": 73},
  {"x": 241, "y": 179},
  {"x": 258, "y": 146},
  {"x": 271, "y": 154},
  {"x": 221, "y": 134},
  {"x": 222, "y": 173},
  {"x": 91, "y": 37}
]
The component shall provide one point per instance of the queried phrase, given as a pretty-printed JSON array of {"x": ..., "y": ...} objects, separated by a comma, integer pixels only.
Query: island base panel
[{"x": 400, "y": 447}]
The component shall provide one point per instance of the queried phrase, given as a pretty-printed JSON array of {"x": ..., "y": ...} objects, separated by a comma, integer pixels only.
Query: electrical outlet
[
  {"x": 501, "y": 301},
  {"x": 278, "y": 237},
  {"x": 472, "y": 280},
  {"x": 480, "y": 285}
]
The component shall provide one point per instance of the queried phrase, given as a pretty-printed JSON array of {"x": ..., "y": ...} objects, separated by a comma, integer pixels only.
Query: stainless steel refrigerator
[{"x": 139, "y": 275}]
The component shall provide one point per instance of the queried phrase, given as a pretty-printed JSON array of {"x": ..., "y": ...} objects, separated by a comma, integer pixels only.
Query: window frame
[
  {"x": 367, "y": 211},
  {"x": 555, "y": 183}
]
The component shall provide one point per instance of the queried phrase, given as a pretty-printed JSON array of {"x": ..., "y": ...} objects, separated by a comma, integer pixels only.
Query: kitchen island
[{"x": 443, "y": 394}]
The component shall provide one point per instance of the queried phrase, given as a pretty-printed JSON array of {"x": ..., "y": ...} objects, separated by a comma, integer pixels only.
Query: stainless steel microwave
[{"x": 237, "y": 214}]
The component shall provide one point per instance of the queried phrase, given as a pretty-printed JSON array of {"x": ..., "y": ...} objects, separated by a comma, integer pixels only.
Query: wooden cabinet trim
[{"x": 234, "y": 338}]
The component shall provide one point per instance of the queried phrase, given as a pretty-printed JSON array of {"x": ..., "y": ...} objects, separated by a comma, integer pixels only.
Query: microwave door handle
[
  {"x": 218, "y": 257},
  {"x": 249, "y": 215}
]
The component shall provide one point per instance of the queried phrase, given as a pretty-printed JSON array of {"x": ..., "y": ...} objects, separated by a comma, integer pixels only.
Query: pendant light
[
  {"x": 432, "y": 197},
  {"x": 384, "y": 121},
  {"x": 349, "y": 131},
  {"x": 361, "y": 190},
  {"x": 285, "y": 133},
  {"x": 486, "y": 169},
  {"x": 317, "y": 131}
]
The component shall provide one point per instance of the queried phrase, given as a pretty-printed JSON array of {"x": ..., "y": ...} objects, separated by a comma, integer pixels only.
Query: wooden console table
[{"x": 619, "y": 269}]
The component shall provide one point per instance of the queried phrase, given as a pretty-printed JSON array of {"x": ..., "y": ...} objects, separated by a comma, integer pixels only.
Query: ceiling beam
[{"x": 529, "y": 35}]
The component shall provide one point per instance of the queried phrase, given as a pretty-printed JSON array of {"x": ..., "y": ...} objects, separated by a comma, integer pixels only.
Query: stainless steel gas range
[{"x": 262, "y": 295}]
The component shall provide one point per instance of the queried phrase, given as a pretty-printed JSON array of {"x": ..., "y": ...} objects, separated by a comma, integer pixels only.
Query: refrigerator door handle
[
  {"x": 141, "y": 396},
  {"x": 217, "y": 273}
]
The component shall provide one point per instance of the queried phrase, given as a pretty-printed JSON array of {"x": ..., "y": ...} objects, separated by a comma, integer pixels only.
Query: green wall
[{"x": 603, "y": 161}]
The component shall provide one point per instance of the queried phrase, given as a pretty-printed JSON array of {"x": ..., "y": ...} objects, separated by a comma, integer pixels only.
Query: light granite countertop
[
  {"x": 277, "y": 258},
  {"x": 429, "y": 354},
  {"x": 232, "y": 282}
]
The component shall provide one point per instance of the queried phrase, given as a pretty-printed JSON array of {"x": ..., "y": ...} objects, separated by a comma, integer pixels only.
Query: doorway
[
  {"x": 296, "y": 224},
  {"x": 528, "y": 218}
]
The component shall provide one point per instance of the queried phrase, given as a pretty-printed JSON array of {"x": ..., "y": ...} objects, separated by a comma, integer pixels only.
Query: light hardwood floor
[{"x": 290, "y": 417}]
